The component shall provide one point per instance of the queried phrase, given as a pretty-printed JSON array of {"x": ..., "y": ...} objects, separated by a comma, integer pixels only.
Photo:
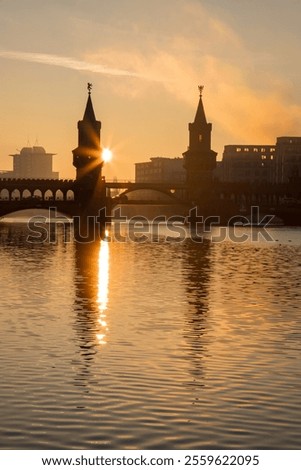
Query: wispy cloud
[
  {"x": 245, "y": 88},
  {"x": 71, "y": 63},
  {"x": 241, "y": 111}
]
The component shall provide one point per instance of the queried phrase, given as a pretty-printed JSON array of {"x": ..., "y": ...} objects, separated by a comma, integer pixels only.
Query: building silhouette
[
  {"x": 87, "y": 158},
  {"x": 278, "y": 163},
  {"x": 32, "y": 163},
  {"x": 248, "y": 163},
  {"x": 195, "y": 169},
  {"x": 199, "y": 158},
  {"x": 288, "y": 159},
  {"x": 247, "y": 175},
  {"x": 160, "y": 170}
]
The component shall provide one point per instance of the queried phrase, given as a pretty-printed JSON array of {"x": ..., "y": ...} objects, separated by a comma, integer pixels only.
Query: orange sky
[{"x": 145, "y": 61}]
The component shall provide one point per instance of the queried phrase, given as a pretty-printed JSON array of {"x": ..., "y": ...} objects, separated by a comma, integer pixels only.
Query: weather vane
[
  {"x": 89, "y": 86},
  {"x": 201, "y": 87}
]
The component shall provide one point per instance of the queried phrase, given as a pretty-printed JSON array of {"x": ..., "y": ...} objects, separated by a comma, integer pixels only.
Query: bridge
[
  {"x": 20, "y": 194},
  {"x": 89, "y": 192}
]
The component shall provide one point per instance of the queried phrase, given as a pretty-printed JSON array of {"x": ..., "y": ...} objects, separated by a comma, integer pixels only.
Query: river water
[{"x": 160, "y": 344}]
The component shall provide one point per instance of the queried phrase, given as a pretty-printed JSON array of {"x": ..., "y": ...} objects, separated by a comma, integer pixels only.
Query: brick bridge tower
[
  {"x": 87, "y": 159},
  {"x": 199, "y": 159}
]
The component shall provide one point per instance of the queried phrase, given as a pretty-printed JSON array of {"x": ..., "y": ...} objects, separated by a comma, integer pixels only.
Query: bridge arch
[
  {"x": 38, "y": 194},
  {"x": 147, "y": 194},
  {"x": 26, "y": 193},
  {"x": 15, "y": 194},
  {"x": 48, "y": 195},
  {"x": 4, "y": 194},
  {"x": 70, "y": 195},
  {"x": 59, "y": 195}
]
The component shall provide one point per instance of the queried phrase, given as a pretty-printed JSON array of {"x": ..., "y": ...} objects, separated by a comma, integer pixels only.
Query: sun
[{"x": 106, "y": 155}]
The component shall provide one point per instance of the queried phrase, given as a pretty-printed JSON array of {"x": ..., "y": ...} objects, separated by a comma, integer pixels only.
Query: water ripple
[{"x": 196, "y": 346}]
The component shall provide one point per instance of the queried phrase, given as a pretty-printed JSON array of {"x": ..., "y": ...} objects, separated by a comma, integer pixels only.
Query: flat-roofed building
[
  {"x": 288, "y": 159},
  {"x": 160, "y": 170},
  {"x": 248, "y": 163},
  {"x": 32, "y": 163}
]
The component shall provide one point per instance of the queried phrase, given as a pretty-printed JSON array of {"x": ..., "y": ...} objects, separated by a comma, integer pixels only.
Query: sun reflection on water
[{"x": 103, "y": 290}]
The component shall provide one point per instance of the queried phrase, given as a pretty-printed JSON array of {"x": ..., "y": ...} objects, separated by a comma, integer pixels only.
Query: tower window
[{"x": 200, "y": 137}]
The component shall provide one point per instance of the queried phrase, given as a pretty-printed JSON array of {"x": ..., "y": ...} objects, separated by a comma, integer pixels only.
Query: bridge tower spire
[
  {"x": 88, "y": 161},
  {"x": 199, "y": 158},
  {"x": 87, "y": 155}
]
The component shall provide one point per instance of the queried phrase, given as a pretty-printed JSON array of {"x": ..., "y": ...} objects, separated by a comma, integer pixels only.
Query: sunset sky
[{"x": 146, "y": 60}]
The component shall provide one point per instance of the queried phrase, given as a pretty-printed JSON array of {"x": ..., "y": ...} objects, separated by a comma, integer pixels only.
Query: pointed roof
[
  {"x": 89, "y": 111},
  {"x": 200, "y": 117}
]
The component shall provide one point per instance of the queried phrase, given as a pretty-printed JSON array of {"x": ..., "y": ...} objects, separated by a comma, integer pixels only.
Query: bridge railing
[{"x": 119, "y": 181}]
